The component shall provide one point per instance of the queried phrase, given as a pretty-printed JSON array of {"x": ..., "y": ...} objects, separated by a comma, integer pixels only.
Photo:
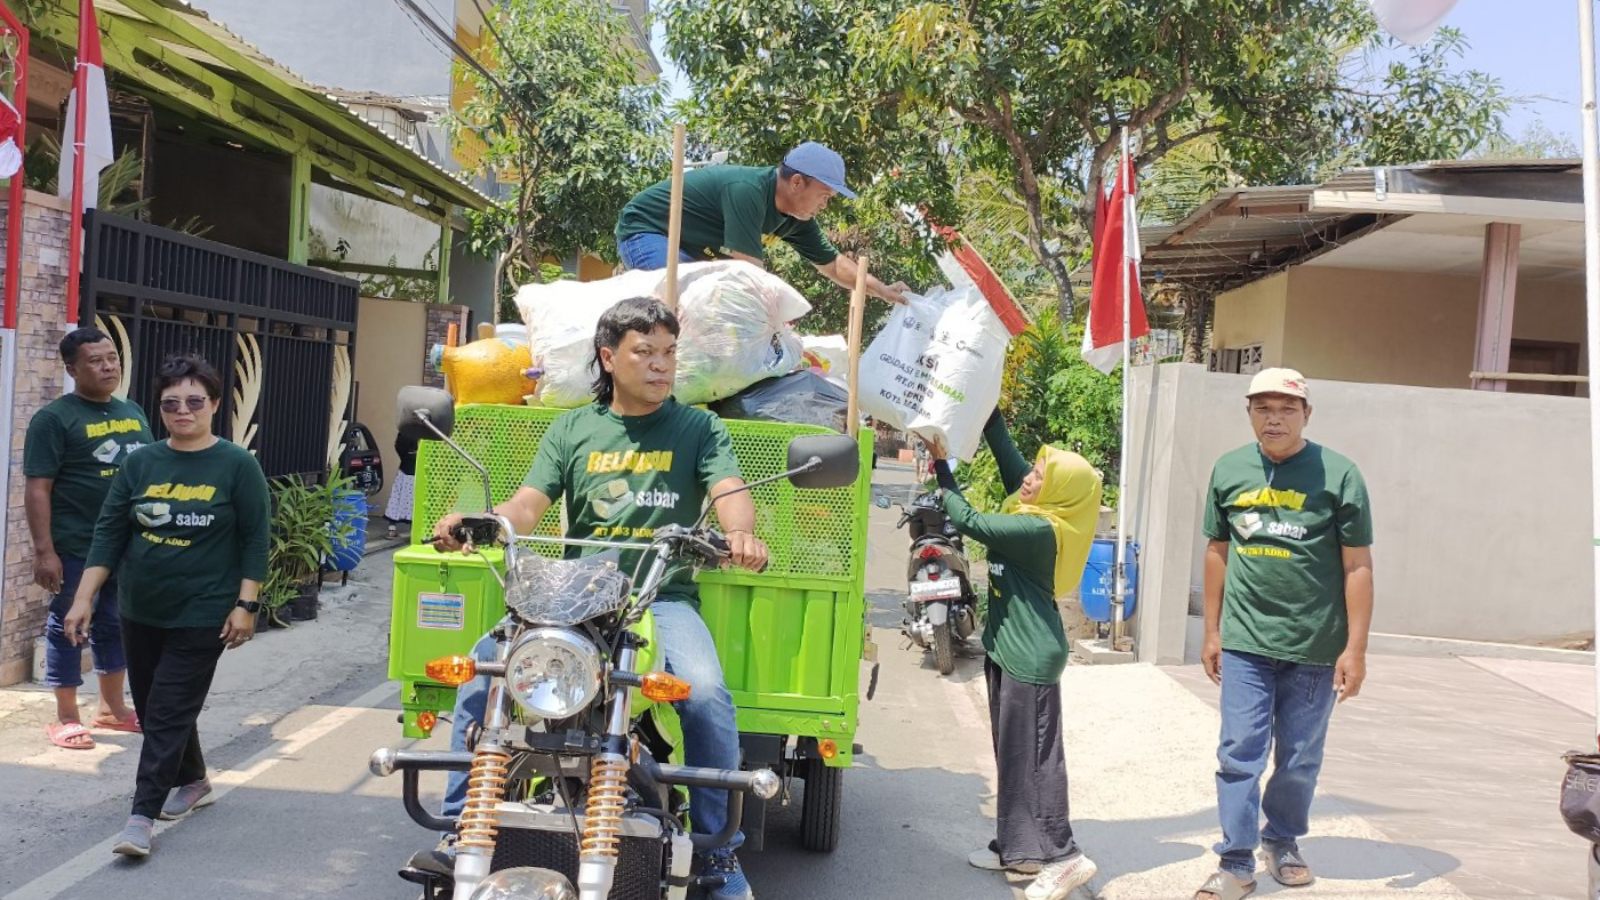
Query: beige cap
[{"x": 1279, "y": 381}]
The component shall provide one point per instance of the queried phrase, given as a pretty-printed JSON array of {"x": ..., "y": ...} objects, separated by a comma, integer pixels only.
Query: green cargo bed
[{"x": 790, "y": 638}]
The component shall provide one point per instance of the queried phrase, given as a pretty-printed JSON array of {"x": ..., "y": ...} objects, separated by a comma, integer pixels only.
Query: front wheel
[
  {"x": 944, "y": 655},
  {"x": 819, "y": 811}
]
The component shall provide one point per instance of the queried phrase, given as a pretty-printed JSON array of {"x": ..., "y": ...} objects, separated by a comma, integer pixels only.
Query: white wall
[{"x": 1481, "y": 501}]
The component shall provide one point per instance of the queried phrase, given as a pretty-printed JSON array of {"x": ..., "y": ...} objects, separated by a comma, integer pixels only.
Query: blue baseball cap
[{"x": 817, "y": 161}]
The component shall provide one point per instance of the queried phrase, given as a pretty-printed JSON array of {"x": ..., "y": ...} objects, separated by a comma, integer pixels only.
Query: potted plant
[{"x": 304, "y": 533}]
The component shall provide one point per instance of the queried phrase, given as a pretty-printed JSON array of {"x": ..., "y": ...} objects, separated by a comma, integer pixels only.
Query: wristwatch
[{"x": 250, "y": 606}]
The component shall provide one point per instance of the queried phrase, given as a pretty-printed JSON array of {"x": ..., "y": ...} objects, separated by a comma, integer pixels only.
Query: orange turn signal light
[
  {"x": 828, "y": 747},
  {"x": 664, "y": 688},
  {"x": 452, "y": 671},
  {"x": 426, "y": 720}
]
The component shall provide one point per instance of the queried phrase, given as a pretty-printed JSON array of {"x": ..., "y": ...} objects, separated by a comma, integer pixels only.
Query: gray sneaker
[
  {"x": 188, "y": 798},
  {"x": 135, "y": 838}
]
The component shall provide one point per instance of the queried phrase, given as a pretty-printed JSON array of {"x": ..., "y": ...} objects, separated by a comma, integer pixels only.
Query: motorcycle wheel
[
  {"x": 944, "y": 654},
  {"x": 819, "y": 811}
]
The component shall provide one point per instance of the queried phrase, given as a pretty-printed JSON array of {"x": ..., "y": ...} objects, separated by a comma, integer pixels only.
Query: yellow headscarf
[{"x": 1070, "y": 501}]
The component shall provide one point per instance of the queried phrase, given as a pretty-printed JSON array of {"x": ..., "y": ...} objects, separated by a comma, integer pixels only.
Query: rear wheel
[
  {"x": 819, "y": 811},
  {"x": 944, "y": 655}
]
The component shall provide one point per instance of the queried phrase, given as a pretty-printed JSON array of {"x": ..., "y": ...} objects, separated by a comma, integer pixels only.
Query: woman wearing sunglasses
[{"x": 186, "y": 526}]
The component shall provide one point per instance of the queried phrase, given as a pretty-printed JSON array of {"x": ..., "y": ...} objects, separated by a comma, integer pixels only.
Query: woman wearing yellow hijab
[{"x": 1038, "y": 544}]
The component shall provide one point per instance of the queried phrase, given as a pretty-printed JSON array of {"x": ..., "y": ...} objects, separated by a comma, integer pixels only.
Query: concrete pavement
[{"x": 1440, "y": 782}]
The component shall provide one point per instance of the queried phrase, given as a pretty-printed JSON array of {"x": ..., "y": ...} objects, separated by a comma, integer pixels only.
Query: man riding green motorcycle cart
[{"x": 626, "y": 465}]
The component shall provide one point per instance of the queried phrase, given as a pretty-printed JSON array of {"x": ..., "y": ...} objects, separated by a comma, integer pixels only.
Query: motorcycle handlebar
[{"x": 723, "y": 779}]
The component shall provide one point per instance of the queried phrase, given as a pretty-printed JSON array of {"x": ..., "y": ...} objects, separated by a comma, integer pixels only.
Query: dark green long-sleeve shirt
[
  {"x": 1023, "y": 632},
  {"x": 182, "y": 529}
]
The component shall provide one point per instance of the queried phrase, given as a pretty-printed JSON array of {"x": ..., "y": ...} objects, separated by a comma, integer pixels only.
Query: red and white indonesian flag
[
  {"x": 1412, "y": 21},
  {"x": 97, "y": 149},
  {"x": 1115, "y": 264}
]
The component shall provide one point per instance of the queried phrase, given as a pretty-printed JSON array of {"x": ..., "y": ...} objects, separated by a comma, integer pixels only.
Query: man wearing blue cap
[{"x": 728, "y": 211}]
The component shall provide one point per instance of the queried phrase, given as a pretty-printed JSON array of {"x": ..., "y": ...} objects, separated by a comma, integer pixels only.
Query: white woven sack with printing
[{"x": 935, "y": 368}]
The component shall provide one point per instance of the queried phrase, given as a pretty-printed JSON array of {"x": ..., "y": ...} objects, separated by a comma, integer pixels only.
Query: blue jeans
[
  {"x": 647, "y": 251},
  {"x": 63, "y": 661},
  {"x": 710, "y": 735},
  {"x": 1268, "y": 703}
]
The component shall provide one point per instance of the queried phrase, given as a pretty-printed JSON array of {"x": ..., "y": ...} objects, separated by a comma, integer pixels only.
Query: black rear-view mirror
[{"x": 824, "y": 461}]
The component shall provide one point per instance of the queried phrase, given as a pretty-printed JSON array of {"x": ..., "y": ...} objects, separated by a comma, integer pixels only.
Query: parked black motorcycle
[{"x": 941, "y": 606}]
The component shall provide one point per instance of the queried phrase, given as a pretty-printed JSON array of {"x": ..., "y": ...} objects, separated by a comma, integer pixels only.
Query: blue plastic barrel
[
  {"x": 349, "y": 508},
  {"x": 1099, "y": 586}
]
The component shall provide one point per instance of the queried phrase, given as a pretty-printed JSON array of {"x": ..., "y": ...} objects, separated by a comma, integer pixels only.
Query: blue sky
[{"x": 1530, "y": 45}]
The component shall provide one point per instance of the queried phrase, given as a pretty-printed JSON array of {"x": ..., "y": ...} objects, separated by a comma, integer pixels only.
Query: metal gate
[{"x": 163, "y": 292}]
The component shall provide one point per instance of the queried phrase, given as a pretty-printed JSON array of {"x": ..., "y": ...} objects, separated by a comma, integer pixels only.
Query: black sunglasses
[{"x": 172, "y": 404}]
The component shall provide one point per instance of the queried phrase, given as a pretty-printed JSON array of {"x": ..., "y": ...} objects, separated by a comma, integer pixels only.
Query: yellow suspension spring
[
  {"x": 602, "y": 827},
  {"x": 486, "y": 785}
]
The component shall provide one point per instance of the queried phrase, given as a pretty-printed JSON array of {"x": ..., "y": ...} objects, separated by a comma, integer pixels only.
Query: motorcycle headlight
[
  {"x": 524, "y": 884},
  {"x": 553, "y": 672}
]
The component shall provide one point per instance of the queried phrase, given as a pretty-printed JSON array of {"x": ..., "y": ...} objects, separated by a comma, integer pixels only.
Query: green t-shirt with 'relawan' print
[
  {"x": 182, "y": 529},
  {"x": 625, "y": 476},
  {"x": 80, "y": 444},
  {"x": 1286, "y": 524}
]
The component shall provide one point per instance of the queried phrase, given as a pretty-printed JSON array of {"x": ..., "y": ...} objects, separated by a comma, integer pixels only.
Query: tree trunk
[
  {"x": 1198, "y": 306},
  {"x": 1028, "y": 187}
]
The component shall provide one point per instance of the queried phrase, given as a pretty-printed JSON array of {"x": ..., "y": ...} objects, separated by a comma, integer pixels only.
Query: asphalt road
[{"x": 300, "y": 816}]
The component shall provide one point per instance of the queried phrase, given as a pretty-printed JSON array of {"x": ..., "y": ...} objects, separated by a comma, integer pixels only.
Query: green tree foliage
[
  {"x": 1038, "y": 93},
  {"x": 566, "y": 123},
  {"x": 1050, "y": 395}
]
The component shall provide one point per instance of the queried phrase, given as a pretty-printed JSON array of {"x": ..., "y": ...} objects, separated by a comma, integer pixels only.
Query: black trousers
[
  {"x": 1032, "y": 824},
  {"x": 169, "y": 675}
]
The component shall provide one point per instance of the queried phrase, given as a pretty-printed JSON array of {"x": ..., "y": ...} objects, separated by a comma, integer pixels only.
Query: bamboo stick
[
  {"x": 858, "y": 307},
  {"x": 1528, "y": 376},
  {"x": 675, "y": 218}
]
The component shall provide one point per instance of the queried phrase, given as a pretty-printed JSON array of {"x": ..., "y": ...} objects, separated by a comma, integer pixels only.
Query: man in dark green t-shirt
[
  {"x": 74, "y": 447},
  {"x": 1288, "y": 604},
  {"x": 627, "y": 464},
  {"x": 730, "y": 211}
]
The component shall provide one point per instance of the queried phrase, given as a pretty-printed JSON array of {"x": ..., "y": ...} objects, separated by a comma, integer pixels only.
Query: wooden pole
[
  {"x": 858, "y": 308},
  {"x": 675, "y": 218}
]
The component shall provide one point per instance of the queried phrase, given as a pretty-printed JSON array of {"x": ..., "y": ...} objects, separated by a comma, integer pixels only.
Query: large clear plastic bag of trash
[
  {"x": 803, "y": 398},
  {"x": 735, "y": 329}
]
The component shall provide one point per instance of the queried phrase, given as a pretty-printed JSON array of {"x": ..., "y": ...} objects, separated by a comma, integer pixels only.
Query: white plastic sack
[
  {"x": 561, "y": 317},
  {"x": 831, "y": 352},
  {"x": 734, "y": 319},
  {"x": 935, "y": 368}
]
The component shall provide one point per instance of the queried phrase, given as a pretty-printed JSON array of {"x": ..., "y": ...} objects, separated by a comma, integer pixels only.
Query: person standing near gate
[
  {"x": 1288, "y": 604},
  {"x": 74, "y": 447},
  {"x": 189, "y": 521}
]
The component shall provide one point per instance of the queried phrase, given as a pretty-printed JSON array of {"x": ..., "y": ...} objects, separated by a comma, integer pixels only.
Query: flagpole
[
  {"x": 1591, "y": 260},
  {"x": 1120, "y": 598},
  {"x": 80, "y": 83}
]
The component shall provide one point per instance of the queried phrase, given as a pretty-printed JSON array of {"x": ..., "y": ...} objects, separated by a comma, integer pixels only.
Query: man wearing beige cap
[{"x": 1288, "y": 593}]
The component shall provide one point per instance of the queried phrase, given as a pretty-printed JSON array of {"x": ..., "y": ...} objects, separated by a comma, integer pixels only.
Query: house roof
[
  {"x": 193, "y": 62},
  {"x": 1432, "y": 216}
]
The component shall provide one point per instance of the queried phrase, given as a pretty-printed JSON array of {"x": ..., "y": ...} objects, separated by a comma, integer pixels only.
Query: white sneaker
[{"x": 1060, "y": 878}]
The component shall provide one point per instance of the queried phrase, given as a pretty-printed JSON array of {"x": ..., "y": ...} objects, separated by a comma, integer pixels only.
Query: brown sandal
[
  {"x": 1224, "y": 886},
  {"x": 1280, "y": 858}
]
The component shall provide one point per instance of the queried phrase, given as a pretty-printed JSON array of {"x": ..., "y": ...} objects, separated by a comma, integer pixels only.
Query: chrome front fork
[{"x": 486, "y": 786}]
